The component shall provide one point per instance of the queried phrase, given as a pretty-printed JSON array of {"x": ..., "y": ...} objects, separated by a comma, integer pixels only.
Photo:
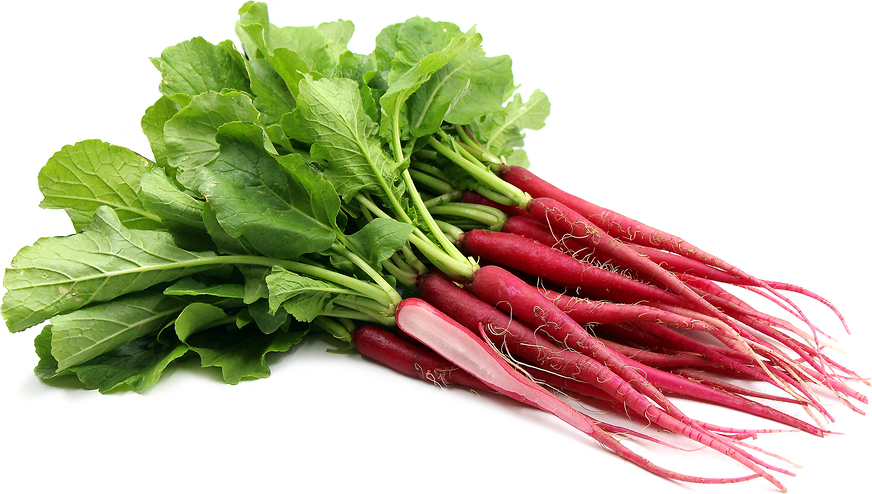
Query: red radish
[
  {"x": 521, "y": 342},
  {"x": 459, "y": 345},
  {"x": 410, "y": 358},
  {"x": 620, "y": 226},
  {"x": 531, "y": 257}
]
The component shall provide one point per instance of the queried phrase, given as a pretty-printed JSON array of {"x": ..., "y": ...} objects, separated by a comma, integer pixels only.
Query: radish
[{"x": 460, "y": 346}]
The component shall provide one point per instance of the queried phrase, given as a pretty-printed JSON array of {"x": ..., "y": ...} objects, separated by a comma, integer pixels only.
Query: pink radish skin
[
  {"x": 410, "y": 358},
  {"x": 456, "y": 343},
  {"x": 622, "y": 227},
  {"x": 531, "y": 257},
  {"x": 524, "y": 343}
]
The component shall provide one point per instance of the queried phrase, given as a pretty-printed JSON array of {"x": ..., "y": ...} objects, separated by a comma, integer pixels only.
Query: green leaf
[
  {"x": 47, "y": 367},
  {"x": 197, "y": 66},
  {"x": 241, "y": 353},
  {"x": 330, "y": 116},
  {"x": 89, "y": 174},
  {"x": 190, "y": 134},
  {"x": 267, "y": 321},
  {"x": 395, "y": 117},
  {"x": 379, "y": 239},
  {"x": 163, "y": 198},
  {"x": 91, "y": 331},
  {"x": 465, "y": 89},
  {"x": 138, "y": 364},
  {"x": 501, "y": 131},
  {"x": 302, "y": 297},
  {"x": 57, "y": 275},
  {"x": 196, "y": 317},
  {"x": 152, "y": 124},
  {"x": 280, "y": 214},
  {"x": 191, "y": 287},
  {"x": 272, "y": 97}
]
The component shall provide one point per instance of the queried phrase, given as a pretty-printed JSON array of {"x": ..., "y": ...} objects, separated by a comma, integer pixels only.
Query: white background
[{"x": 743, "y": 126}]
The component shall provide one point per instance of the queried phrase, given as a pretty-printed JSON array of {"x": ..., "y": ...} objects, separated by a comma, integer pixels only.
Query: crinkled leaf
[
  {"x": 57, "y": 275},
  {"x": 82, "y": 177},
  {"x": 379, "y": 239},
  {"x": 240, "y": 353},
  {"x": 330, "y": 116},
  {"x": 196, "y": 66},
  {"x": 254, "y": 197}
]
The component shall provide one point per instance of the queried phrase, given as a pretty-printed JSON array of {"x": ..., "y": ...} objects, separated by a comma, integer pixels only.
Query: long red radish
[
  {"x": 620, "y": 226},
  {"x": 531, "y": 257},
  {"x": 521, "y": 342},
  {"x": 458, "y": 344},
  {"x": 410, "y": 358}
]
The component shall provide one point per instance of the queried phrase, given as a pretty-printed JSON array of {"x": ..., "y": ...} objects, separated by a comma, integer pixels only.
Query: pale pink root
[{"x": 457, "y": 344}]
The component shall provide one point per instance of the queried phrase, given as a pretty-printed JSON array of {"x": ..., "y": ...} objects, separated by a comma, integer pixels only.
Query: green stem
[
  {"x": 446, "y": 244},
  {"x": 443, "y": 199},
  {"x": 366, "y": 268},
  {"x": 433, "y": 183},
  {"x": 364, "y": 288},
  {"x": 483, "y": 175},
  {"x": 486, "y": 215},
  {"x": 462, "y": 269}
]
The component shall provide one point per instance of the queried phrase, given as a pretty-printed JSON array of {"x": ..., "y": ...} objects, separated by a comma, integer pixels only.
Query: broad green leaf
[
  {"x": 361, "y": 68},
  {"x": 191, "y": 287},
  {"x": 272, "y": 97},
  {"x": 137, "y": 364},
  {"x": 501, "y": 131},
  {"x": 57, "y": 275},
  {"x": 152, "y": 124},
  {"x": 197, "y": 66},
  {"x": 379, "y": 239},
  {"x": 163, "y": 198},
  {"x": 241, "y": 353},
  {"x": 198, "y": 316},
  {"x": 385, "y": 48},
  {"x": 254, "y": 197},
  {"x": 302, "y": 297},
  {"x": 89, "y": 174},
  {"x": 47, "y": 367},
  {"x": 467, "y": 88},
  {"x": 94, "y": 330},
  {"x": 225, "y": 243},
  {"x": 395, "y": 117},
  {"x": 330, "y": 116},
  {"x": 267, "y": 321},
  {"x": 190, "y": 134},
  {"x": 255, "y": 282},
  {"x": 292, "y": 52}
]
